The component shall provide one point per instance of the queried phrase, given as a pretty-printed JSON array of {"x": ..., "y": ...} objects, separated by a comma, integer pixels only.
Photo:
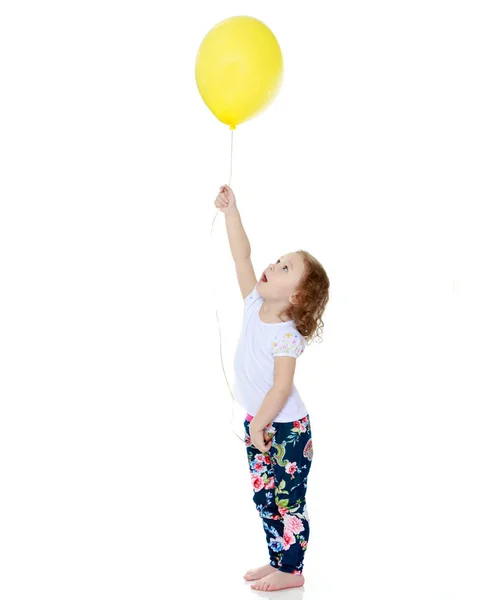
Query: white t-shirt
[{"x": 258, "y": 344}]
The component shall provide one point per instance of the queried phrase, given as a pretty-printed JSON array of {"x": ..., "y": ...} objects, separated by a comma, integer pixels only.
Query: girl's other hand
[
  {"x": 226, "y": 200},
  {"x": 260, "y": 439}
]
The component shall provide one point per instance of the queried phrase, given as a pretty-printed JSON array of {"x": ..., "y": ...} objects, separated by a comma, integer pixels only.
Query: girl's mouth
[{"x": 264, "y": 278}]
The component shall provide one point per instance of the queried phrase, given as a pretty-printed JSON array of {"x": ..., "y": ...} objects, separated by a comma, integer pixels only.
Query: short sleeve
[
  {"x": 288, "y": 342},
  {"x": 252, "y": 297}
]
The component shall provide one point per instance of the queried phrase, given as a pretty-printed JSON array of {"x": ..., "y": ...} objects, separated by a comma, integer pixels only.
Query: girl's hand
[
  {"x": 260, "y": 439},
  {"x": 226, "y": 200}
]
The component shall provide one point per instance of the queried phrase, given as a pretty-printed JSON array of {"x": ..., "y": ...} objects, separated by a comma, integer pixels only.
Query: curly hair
[{"x": 312, "y": 295}]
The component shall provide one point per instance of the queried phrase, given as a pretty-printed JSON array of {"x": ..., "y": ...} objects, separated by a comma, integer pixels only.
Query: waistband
[{"x": 249, "y": 418}]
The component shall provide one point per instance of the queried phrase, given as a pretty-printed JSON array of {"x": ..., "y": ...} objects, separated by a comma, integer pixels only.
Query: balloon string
[
  {"x": 231, "y": 158},
  {"x": 221, "y": 356}
]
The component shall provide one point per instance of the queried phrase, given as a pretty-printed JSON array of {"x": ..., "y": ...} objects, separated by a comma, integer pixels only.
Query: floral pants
[{"x": 279, "y": 480}]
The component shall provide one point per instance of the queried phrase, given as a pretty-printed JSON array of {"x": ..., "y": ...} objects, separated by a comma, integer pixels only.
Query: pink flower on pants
[
  {"x": 258, "y": 466},
  {"x": 288, "y": 538},
  {"x": 293, "y": 523},
  {"x": 257, "y": 481},
  {"x": 291, "y": 468},
  {"x": 270, "y": 484},
  {"x": 301, "y": 425}
]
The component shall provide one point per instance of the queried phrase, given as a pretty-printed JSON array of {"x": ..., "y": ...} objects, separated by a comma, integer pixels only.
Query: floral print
[
  {"x": 287, "y": 343},
  {"x": 279, "y": 481}
]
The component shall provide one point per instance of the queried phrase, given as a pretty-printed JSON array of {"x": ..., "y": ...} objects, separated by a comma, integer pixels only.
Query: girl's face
[{"x": 282, "y": 277}]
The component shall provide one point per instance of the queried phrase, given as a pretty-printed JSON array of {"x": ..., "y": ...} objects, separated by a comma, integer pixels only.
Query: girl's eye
[{"x": 285, "y": 266}]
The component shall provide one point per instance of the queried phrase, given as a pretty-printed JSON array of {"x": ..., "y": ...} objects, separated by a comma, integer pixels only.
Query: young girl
[{"x": 282, "y": 312}]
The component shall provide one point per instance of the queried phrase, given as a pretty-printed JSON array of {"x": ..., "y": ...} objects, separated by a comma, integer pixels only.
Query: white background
[{"x": 120, "y": 472}]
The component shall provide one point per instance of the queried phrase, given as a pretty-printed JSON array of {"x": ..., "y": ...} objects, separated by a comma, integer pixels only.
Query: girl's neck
[{"x": 269, "y": 314}]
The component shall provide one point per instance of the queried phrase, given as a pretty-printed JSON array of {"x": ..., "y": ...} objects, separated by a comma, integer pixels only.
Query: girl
[{"x": 282, "y": 312}]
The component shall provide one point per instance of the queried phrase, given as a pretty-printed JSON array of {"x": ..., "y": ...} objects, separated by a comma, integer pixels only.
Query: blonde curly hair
[{"x": 312, "y": 295}]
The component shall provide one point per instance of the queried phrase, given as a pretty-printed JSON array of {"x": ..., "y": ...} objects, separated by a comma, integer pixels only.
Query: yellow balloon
[{"x": 239, "y": 69}]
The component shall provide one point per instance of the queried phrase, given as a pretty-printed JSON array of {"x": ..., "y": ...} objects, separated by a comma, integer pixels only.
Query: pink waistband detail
[{"x": 249, "y": 417}]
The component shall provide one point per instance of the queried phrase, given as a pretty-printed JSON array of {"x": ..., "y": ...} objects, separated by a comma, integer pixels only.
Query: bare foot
[
  {"x": 259, "y": 573},
  {"x": 278, "y": 581}
]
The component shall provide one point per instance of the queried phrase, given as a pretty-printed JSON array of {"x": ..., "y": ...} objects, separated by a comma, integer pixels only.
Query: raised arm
[{"x": 239, "y": 243}]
